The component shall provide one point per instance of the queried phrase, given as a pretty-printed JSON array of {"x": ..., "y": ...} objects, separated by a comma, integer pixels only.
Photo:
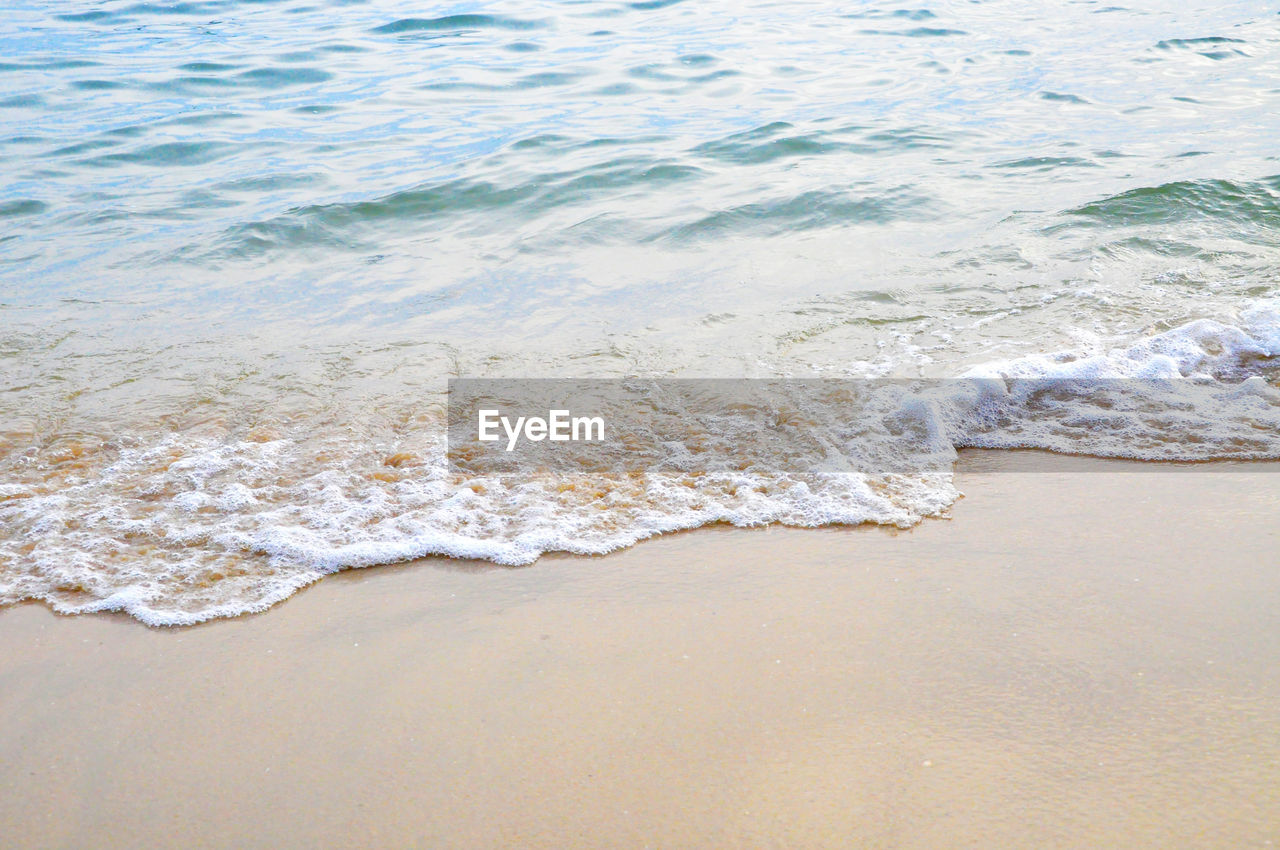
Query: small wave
[
  {"x": 805, "y": 211},
  {"x": 344, "y": 223},
  {"x": 1254, "y": 203},
  {"x": 651, "y": 5},
  {"x": 175, "y": 528},
  {"x": 456, "y": 23},
  {"x": 1045, "y": 163},
  {"x": 22, "y": 207},
  {"x": 168, "y": 154},
  {"x": 128, "y": 13},
  {"x": 1211, "y": 47},
  {"x": 778, "y": 140},
  {"x": 908, "y": 14},
  {"x": 1195, "y": 43},
  {"x": 1060, "y": 97},
  {"x": 919, "y": 32},
  {"x": 189, "y": 529}
]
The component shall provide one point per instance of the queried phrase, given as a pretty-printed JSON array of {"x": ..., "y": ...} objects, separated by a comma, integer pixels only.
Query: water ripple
[
  {"x": 461, "y": 23},
  {"x": 1255, "y": 203}
]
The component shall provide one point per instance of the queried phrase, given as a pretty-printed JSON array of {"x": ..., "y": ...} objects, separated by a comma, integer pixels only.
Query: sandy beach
[
  {"x": 1082, "y": 656},
  {"x": 529, "y": 424}
]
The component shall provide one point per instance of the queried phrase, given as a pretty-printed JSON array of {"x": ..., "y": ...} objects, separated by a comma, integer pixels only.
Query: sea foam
[{"x": 178, "y": 528}]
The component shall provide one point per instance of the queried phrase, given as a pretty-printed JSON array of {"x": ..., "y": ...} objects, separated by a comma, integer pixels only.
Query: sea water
[{"x": 244, "y": 244}]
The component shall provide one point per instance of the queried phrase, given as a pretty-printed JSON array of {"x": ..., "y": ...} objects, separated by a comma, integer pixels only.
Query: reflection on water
[{"x": 483, "y": 174}]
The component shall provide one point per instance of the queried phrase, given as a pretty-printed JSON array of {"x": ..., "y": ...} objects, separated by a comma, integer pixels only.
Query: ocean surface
[{"x": 245, "y": 243}]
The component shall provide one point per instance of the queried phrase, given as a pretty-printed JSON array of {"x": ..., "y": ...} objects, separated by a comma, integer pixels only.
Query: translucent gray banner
[{"x": 821, "y": 426}]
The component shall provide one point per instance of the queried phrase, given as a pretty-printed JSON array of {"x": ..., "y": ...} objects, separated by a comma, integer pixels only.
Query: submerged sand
[{"x": 1085, "y": 655}]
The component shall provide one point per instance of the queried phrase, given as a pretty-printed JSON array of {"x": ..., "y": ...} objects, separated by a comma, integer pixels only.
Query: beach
[
  {"x": 1082, "y": 655},
  {"x": 639, "y": 423},
  {"x": 252, "y": 249}
]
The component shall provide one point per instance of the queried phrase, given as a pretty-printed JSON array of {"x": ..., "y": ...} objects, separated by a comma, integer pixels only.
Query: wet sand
[{"x": 1075, "y": 659}]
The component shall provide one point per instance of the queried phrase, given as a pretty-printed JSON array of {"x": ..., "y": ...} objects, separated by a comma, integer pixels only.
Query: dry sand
[{"x": 1076, "y": 659}]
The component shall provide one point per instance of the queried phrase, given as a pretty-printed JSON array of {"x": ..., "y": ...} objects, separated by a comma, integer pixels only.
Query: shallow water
[{"x": 244, "y": 245}]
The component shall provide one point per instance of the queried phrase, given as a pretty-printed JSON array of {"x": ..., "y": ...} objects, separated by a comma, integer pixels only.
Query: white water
[{"x": 195, "y": 526}]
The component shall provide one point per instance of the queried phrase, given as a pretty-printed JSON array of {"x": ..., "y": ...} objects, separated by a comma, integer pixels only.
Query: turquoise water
[{"x": 285, "y": 223}]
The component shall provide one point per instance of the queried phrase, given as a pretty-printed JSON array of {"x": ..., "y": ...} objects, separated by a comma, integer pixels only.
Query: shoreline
[{"x": 1071, "y": 660}]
